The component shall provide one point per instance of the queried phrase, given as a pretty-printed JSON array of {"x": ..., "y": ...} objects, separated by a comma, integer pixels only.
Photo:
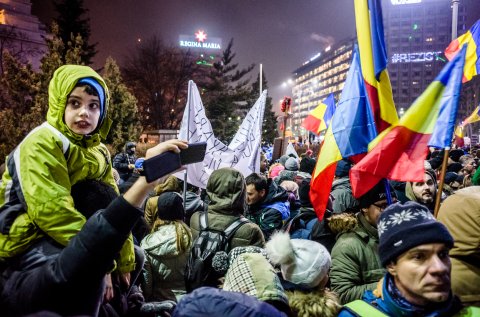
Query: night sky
[{"x": 280, "y": 34}]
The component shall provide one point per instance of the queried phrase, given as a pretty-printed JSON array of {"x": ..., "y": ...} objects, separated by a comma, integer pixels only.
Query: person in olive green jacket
[
  {"x": 356, "y": 265},
  {"x": 226, "y": 194},
  {"x": 35, "y": 199}
]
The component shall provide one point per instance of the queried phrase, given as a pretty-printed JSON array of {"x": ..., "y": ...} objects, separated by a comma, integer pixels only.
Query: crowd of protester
[{"x": 84, "y": 235}]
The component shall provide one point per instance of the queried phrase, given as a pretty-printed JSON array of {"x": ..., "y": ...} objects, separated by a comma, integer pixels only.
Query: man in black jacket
[{"x": 124, "y": 162}]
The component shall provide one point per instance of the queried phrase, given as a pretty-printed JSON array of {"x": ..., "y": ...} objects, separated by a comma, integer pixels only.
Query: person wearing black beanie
[
  {"x": 166, "y": 250},
  {"x": 414, "y": 247}
]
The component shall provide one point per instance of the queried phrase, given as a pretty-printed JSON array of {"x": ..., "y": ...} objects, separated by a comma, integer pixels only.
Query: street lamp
[{"x": 454, "y": 18}]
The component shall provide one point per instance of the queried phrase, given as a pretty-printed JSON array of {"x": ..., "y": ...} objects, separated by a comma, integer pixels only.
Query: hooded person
[
  {"x": 166, "y": 250},
  {"x": 66, "y": 149},
  {"x": 226, "y": 195},
  {"x": 124, "y": 162},
  {"x": 304, "y": 266},
  {"x": 423, "y": 192},
  {"x": 460, "y": 213}
]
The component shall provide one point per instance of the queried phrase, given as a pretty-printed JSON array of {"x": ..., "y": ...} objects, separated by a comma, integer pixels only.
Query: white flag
[
  {"x": 243, "y": 153},
  {"x": 291, "y": 150}
]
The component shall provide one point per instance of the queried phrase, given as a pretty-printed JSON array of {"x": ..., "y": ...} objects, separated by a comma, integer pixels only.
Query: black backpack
[
  {"x": 305, "y": 225},
  {"x": 199, "y": 271}
]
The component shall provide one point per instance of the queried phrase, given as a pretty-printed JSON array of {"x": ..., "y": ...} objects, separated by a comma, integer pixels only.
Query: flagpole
[
  {"x": 447, "y": 149},
  {"x": 440, "y": 185},
  {"x": 454, "y": 18},
  {"x": 261, "y": 79},
  {"x": 185, "y": 176}
]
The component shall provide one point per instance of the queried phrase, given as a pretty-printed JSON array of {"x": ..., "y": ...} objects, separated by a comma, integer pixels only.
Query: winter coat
[
  {"x": 165, "y": 261},
  {"x": 314, "y": 303},
  {"x": 460, "y": 213},
  {"x": 121, "y": 162},
  {"x": 35, "y": 199},
  {"x": 226, "y": 192},
  {"x": 356, "y": 265},
  {"x": 209, "y": 301},
  {"x": 385, "y": 302},
  {"x": 193, "y": 203},
  {"x": 270, "y": 213},
  {"x": 171, "y": 184},
  {"x": 342, "y": 195}
]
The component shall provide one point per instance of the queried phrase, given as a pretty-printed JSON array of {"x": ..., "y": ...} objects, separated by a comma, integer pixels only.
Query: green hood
[
  {"x": 226, "y": 191},
  {"x": 63, "y": 81}
]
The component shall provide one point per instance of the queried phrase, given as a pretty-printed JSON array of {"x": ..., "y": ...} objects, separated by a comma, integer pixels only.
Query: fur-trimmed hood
[{"x": 340, "y": 223}]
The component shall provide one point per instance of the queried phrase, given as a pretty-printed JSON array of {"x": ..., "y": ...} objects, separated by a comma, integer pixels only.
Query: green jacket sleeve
[
  {"x": 126, "y": 260},
  {"x": 45, "y": 183},
  {"x": 346, "y": 272}
]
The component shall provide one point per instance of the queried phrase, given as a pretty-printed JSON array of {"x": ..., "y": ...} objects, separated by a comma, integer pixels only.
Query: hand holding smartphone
[{"x": 168, "y": 162}]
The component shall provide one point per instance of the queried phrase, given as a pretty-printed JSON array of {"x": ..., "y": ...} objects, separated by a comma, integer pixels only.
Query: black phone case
[
  {"x": 194, "y": 153},
  {"x": 161, "y": 165}
]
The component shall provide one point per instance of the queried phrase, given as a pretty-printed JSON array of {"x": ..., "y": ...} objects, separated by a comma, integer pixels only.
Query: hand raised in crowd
[{"x": 136, "y": 194}]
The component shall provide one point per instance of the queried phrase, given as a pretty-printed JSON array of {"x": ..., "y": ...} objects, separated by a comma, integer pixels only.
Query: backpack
[
  {"x": 199, "y": 271},
  {"x": 301, "y": 226},
  {"x": 305, "y": 225}
]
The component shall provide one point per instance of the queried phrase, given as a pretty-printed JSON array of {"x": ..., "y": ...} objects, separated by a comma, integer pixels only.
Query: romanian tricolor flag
[
  {"x": 472, "y": 39},
  {"x": 319, "y": 118},
  {"x": 373, "y": 56},
  {"x": 398, "y": 152},
  {"x": 474, "y": 117},
  {"x": 459, "y": 134},
  {"x": 351, "y": 130}
]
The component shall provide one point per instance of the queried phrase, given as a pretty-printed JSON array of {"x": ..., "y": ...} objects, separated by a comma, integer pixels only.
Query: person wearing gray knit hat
[
  {"x": 414, "y": 247},
  {"x": 291, "y": 164}
]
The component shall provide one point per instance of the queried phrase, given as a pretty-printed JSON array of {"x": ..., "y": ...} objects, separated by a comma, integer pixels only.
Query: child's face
[{"x": 82, "y": 111}]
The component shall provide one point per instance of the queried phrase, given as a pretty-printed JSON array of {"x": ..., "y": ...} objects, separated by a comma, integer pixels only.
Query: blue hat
[
  {"x": 101, "y": 95},
  {"x": 402, "y": 227}
]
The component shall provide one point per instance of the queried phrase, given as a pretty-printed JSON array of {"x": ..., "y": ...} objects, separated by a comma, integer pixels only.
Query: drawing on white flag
[{"x": 243, "y": 153}]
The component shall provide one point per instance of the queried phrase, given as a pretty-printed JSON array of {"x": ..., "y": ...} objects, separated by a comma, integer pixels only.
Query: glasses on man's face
[{"x": 383, "y": 205}]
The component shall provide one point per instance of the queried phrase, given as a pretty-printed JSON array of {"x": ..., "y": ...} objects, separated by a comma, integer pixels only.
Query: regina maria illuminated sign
[{"x": 200, "y": 40}]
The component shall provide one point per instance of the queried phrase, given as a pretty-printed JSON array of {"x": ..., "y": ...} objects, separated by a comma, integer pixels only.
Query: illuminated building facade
[
  {"x": 417, "y": 33},
  {"x": 316, "y": 79},
  {"x": 21, "y": 33}
]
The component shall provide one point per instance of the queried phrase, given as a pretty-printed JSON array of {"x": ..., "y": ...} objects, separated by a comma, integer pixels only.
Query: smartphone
[
  {"x": 161, "y": 165},
  {"x": 168, "y": 162},
  {"x": 194, "y": 153}
]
